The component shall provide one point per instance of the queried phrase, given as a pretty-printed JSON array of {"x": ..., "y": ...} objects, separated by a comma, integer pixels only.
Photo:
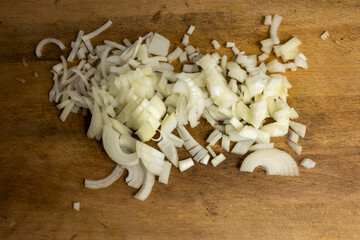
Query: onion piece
[
  {"x": 325, "y": 35},
  {"x": 45, "y": 41},
  {"x": 299, "y": 128},
  {"x": 218, "y": 159},
  {"x": 273, "y": 161},
  {"x": 165, "y": 173},
  {"x": 296, "y": 148},
  {"x": 168, "y": 148},
  {"x": 215, "y": 44},
  {"x": 307, "y": 163},
  {"x": 76, "y": 206},
  {"x": 230, "y": 44},
  {"x": 178, "y": 142},
  {"x": 135, "y": 176},
  {"x": 212, "y": 153},
  {"x": 274, "y": 27},
  {"x": 152, "y": 159},
  {"x": 225, "y": 143},
  {"x": 200, "y": 154},
  {"x": 93, "y": 34},
  {"x": 294, "y": 137},
  {"x": 190, "y": 30},
  {"x": 107, "y": 181},
  {"x": 148, "y": 183},
  {"x": 185, "y": 164},
  {"x": 205, "y": 159},
  {"x": 185, "y": 40},
  {"x": 267, "y": 20},
  {"x": 111, "y": 143},
  {"x": 242, "y": 147},
  {"x": 75, "y": 48}
]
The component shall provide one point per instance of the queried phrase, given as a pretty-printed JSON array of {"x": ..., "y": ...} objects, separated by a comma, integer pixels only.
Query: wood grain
[{"x": 43, "y": 161}]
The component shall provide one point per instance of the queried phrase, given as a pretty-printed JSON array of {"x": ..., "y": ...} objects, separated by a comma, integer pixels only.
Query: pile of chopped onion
[{"x": 132, "y": 92}]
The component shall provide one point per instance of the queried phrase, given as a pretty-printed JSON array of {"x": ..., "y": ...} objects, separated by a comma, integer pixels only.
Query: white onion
[
  {"x": 107, "y": 181},
  {"x": 185, "y": 164},
  {"x": 190, "y": 30},
  {"x": 145, "y": 190},
  {"x": 274, "y": 27},
  {"x": 76, "y": 206},
  {"x": 218, "y": 159},
  {"x": 45, "y": 41},
  {"x": 165, "y": 173},
  {"x": 273, "y": 161},
  {"x": 294, "y": 146},
  {"x": 307, "y": 163}
]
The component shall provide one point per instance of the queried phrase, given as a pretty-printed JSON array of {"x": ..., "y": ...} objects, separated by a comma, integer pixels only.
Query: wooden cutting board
[{"x": 44, "y": 161}]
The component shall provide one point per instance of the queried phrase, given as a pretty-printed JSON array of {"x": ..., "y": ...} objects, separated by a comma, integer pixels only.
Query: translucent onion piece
[
  {"x": 168, "y": 148},
  {"x": 242, "y": 147},
  {"x": 274, "y": 27},
  {"x": 299, "y": 128},
  {"x": 260, "y": 146},
  {"x": 293, "y": 136},
  {"x": 273, "y": 161},
  {"x": 178, "y": 142},
  {"x": 152, "y": 159},
  {"x": 96, "y": 124},
  {"x": 296, "y": 148},
  {"x": 146, "y": 188},
  {"x": 45, "y": 41},
  {"x": 135, "y": 176},
  {"x": 107, "y": 181},
  {"x": 165, "y": 173},
  {"x": 111, "y": 143},
  {"x": 213, "y": 154}
]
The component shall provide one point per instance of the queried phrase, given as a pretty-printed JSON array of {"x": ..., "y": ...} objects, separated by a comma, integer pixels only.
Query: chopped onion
[
  {"x": 296, "y": 148},
  {"x": 45, "y": 41},
  {"x": 307, "y": 163},
  {"x": 242, "y": 147},
  {"x": 107, "y": 181},
  {"x": 111, "y": 143},
  {"x": 165, "y": 173},
  {"x": 212, "y": 153},
  {"x": 185, "y": 164},
  {"x": 274, "y": 27},
  {"x": 294, "y": 137},
  {"x": 325, "y": 35},
  {"x": 299, "y": 128},
  {"x": 218, "y": 159},
  {"x": 230, "y": 44},
  {"x": 76, "y": 206},
  {"x": 273, "y": 161},
  {"x": 130, "y": 89},
  {"x": 215, "y": 44},
  {"x": 205, "y": 159},
  {"x": 267, "y": 20},
  {"x": 168, "y": 148},
  {"x": 96, "y": 32},
  {"x": 190, "y": 30},
  {"x": 185, "y": 40},
  {"x": 146, "y": 188},
  {"x": 225, "y": 143}
]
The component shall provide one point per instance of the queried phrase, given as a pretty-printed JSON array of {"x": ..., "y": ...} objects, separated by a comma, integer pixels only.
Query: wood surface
[{"x": 44, "y": 161}]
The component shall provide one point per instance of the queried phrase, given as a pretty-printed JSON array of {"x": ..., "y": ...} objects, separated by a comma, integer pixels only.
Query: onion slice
[
  {"x": 45, "y": 41},
  {"x": 273, "y": 161},
  {"x": 147, "y": 185},
  {"x": 107, "y": 181}
]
